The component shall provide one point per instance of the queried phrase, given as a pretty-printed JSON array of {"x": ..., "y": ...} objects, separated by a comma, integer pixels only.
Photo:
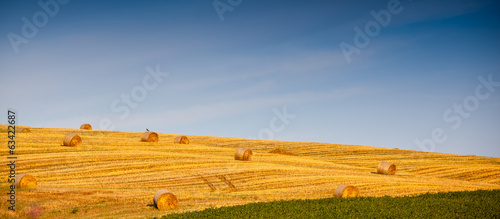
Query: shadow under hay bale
[
  {"x": 23, "y": 130},
  {"x": 243, "y": 154},
  {"x": 72, "y": 140},
  {"x": 346, "y": 191},
  {"x": 282, "y": 151},
  {"x": 149, "y": 137},
  {"x": 25, "y": 181},
  {"x": 164, "y": 200},
  {"x": 181, "y": 140},
  {"x": 86, "y": 127},
  {"x": 386, "y": 168}
]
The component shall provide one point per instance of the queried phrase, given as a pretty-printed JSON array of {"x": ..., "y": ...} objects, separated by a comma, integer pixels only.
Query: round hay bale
[
  {"x": 243, "y": 154},
  {"x": 23, "y": 130},
  {"x": 149, "y": 137},
  {"x": 386, "y": 168},
  {"x": 181, "y": 140},
  {"x": 86, "y": 126},
  {"x": 72, "y": 140},
  {"x": 346, "y": 191},
  {"x": 25, "y": 181},
  {"x": 164, "y": 200}
]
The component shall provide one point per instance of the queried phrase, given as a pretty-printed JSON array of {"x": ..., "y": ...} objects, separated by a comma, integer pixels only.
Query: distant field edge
[{"x": 466, "y": 204}]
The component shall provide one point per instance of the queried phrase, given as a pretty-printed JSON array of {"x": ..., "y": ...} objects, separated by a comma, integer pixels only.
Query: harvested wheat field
[{"x": 113, "y": 174}]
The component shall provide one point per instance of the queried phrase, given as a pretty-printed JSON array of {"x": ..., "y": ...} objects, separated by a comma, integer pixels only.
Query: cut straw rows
[{"x": 164, "y": 199}]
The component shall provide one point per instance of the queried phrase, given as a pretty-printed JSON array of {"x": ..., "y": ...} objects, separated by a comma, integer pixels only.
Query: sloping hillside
[{"x": 113, "y": 174}]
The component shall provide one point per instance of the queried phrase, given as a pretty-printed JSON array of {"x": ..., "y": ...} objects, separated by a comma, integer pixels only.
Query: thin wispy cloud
[{"x": 197, "y": 113}]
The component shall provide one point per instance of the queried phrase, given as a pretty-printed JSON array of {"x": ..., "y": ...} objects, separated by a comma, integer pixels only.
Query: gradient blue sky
[{"x": 227, "y": 77}]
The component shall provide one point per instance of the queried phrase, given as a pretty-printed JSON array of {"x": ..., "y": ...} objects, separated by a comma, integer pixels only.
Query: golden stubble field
[{"x": 114, "y": 175}]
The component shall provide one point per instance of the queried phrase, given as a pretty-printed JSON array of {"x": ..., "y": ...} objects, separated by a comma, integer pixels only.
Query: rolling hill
[{"x": 113, "y": 174}]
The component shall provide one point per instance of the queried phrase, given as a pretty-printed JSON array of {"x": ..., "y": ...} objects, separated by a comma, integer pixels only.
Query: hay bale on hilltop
[
  {"x": 386, "y": 168},
  {"x": 164, "y": 200},
  {"x": 23, "y": 130},
  {"x": 25, "y": 181},
  {"x": 243, "y": 154},
  {"x": 149, "y": 137},
  {"x": 346, "y": 191},
  {"x": 86, "y": 127},
  {"x": 181, "y": 140},
  {"x": 72, "y": 140}
]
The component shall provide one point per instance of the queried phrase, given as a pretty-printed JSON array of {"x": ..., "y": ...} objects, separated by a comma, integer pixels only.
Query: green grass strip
[{"x": 476, "y": 204}]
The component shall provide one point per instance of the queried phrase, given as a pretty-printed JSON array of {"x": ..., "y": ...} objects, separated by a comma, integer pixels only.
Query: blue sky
[{"x": 235, "y": 77}]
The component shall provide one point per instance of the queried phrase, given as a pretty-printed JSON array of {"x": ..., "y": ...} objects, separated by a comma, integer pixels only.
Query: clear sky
[{"x": 409, "y": 74}]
